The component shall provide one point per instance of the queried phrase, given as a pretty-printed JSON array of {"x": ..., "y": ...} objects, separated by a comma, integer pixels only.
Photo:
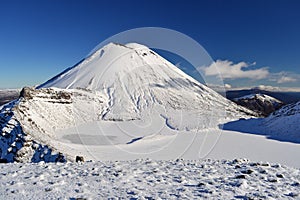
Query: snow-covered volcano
[{"x": 134, "y": 78}]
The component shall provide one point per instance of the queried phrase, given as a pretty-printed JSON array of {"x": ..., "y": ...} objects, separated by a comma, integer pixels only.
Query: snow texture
[{"x": 148, "y": 179}]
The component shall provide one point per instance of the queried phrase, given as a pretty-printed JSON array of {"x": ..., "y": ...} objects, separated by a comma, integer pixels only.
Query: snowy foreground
[{"x": 147, "y": 179}]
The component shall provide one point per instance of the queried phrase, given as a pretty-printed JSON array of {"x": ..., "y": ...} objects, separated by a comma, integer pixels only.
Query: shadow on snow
[{"x": 257, "y": 126}]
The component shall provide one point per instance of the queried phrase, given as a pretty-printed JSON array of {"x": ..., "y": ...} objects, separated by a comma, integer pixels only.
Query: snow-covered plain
[{"x": 148, "y": 179}]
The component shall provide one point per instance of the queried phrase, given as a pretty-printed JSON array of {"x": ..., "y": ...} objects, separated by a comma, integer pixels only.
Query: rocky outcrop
[
  {"x": 57, "y": 96},
  {"x": 259, "y": 103},
  {"x": 27, "y": 93},
  {"x": 18, "y": 146}
]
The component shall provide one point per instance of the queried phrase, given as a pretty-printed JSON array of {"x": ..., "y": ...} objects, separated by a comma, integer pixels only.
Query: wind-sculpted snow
[{"x": 148, "y": 179}]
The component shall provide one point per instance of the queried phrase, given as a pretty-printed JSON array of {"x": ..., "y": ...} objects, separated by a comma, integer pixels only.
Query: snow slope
[
  {"x": 285, "y": 122},
  {"x": 134, "y": 79},
  {"x": 282, "y": 125},
  {"x": 148, "y": 179}
]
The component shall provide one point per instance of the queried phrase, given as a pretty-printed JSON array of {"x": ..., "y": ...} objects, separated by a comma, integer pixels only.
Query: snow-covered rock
[
  {"x": 19, "y": 145},
  {"x": 261, "y": 103}
]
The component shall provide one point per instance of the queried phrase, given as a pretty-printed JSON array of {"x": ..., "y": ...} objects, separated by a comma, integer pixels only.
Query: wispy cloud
[
  {"x": 228, "y": 70},
  {"x": 267, "y": 87},
  {"x": 286, "y": 79},
  {"x": 220, "y": 88},
  {"x": 278, "y": 89}
]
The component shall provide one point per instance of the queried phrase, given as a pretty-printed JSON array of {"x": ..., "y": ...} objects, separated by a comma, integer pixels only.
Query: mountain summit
[{"x": 133, "y": 78}]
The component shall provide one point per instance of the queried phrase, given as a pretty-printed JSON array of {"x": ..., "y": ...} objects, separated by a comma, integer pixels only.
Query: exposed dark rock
[
  {"x": 3, "y": 160},
  {"x": 60, "y": 158},
  {"x": 26, "y": 93},
  {"x": 79, "y": 159},
  {"x": 279, "y": 175},
  {"x": 272, "y": 180},
  {"x": 247, "y": 171},
  {"x": 242, "y": 176}
]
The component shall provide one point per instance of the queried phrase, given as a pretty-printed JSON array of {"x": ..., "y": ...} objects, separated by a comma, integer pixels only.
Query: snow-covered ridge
[
  {"x": 285, "y": 122},
  {"x": 263, "y": 97},
  {"x": 288, "y": 110},
  {"x": 261, "y": 103},
  {"x": 148, "y": 179},
  {"x": 19, "y": 146}
]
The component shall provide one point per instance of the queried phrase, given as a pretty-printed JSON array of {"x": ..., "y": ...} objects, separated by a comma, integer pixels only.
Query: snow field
[{"x": 148, "y": 179}]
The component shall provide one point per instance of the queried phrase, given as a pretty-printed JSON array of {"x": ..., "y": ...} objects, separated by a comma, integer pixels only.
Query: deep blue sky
[{"x": 39, "y": 39}]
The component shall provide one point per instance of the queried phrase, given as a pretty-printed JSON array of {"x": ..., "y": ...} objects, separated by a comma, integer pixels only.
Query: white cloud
[
  {"x": 267, "y": 87},
  {"x": 228, "y": 70},
  {"x": 220, "y": 88},
  {"x": 286, "y": 79},
  {"x": 227, "y": 86},
  {"x": 277, "y": 89}
]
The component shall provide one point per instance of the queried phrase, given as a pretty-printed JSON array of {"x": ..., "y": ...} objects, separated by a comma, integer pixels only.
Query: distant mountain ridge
[
  {"x": 261, "y": 103},
  {"x": 285, "y": 97}
]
